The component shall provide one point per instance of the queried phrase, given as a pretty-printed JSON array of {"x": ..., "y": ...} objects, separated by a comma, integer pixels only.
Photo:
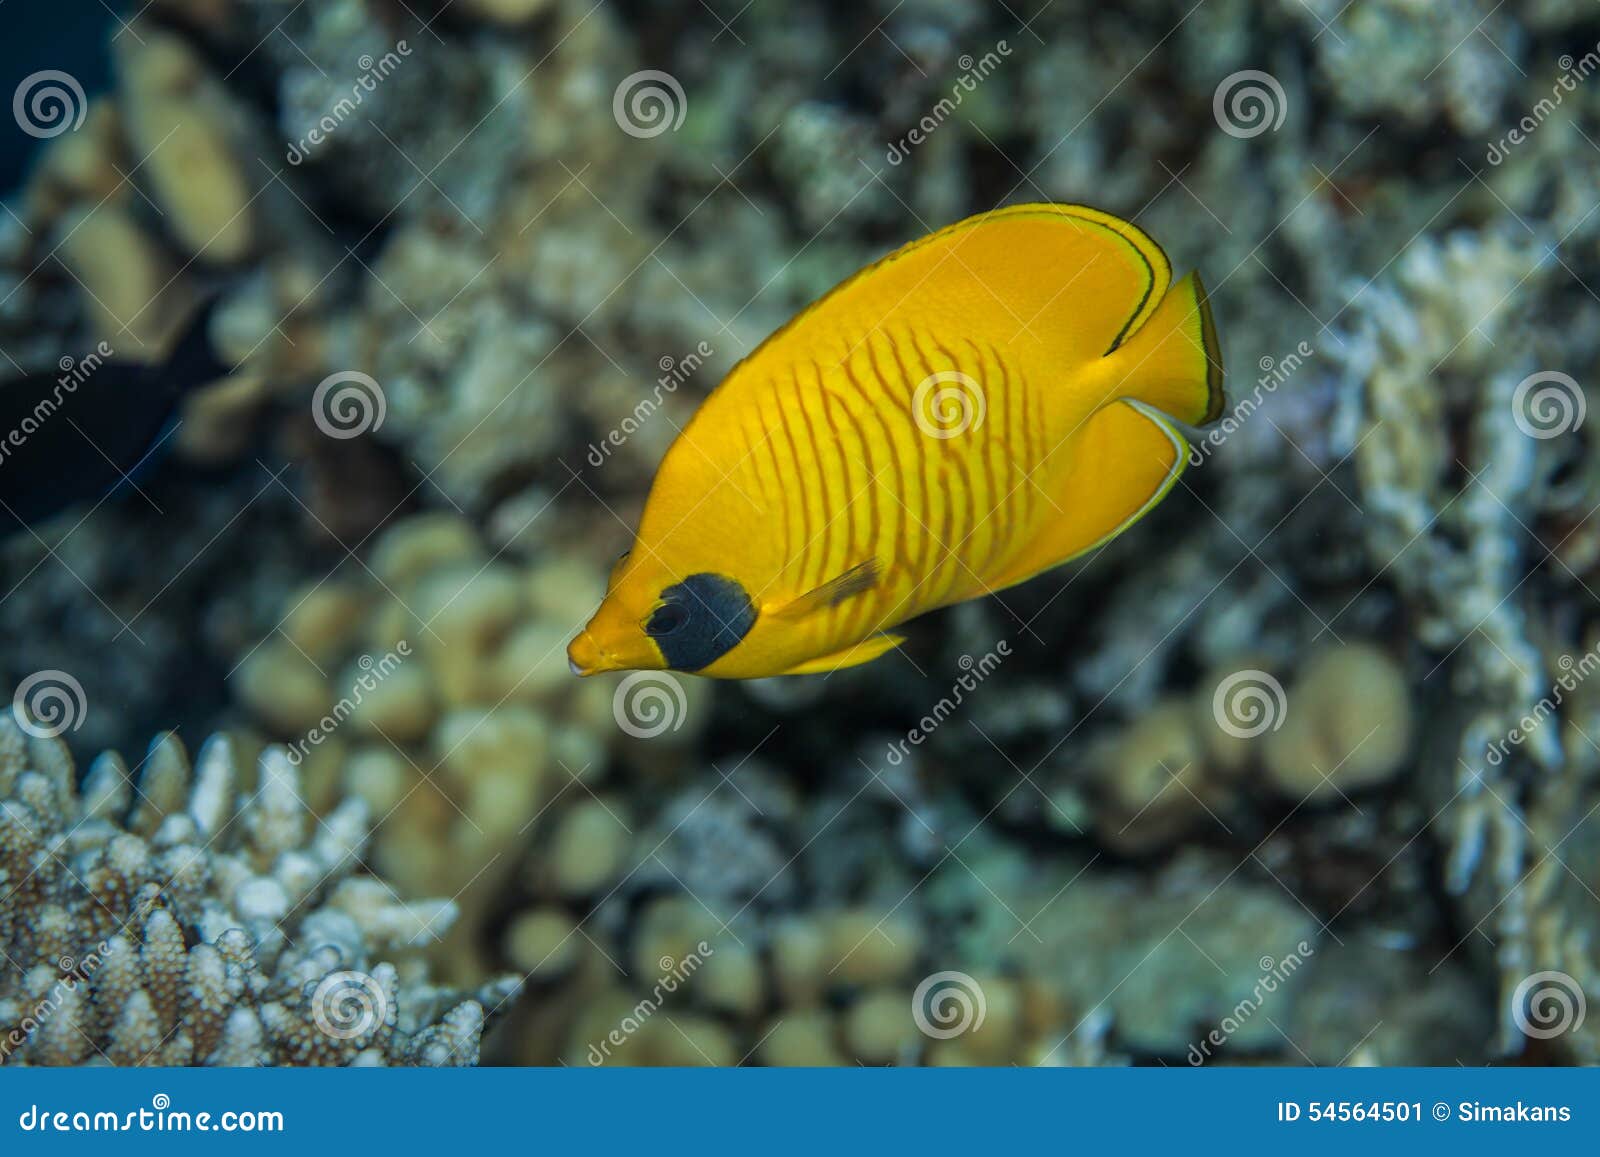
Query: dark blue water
[{"x": 72, "y": 36}]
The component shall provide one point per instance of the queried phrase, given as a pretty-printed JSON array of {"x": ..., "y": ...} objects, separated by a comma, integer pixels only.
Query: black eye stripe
[{"x": 715, "y": 614}]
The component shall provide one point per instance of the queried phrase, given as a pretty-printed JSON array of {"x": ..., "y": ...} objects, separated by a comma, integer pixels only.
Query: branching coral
[{"x": 202, "y": 915}]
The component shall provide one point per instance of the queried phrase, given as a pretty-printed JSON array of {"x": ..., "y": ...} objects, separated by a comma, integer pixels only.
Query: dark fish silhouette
[{"x": 76, "y": 435}]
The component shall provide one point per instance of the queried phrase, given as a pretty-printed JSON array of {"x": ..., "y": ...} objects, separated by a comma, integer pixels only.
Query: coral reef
[
  {"x": 202, "y": 915},
  {"x": 1303, "y": 768}
]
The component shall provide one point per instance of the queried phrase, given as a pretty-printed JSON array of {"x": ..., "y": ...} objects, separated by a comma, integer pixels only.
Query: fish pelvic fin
[
  {"x": 863, "y": 652},
  {"x": 1172, "y": 362},
  {"x": 1124, "y": 460},
  {"x": 857, "y": 580}
]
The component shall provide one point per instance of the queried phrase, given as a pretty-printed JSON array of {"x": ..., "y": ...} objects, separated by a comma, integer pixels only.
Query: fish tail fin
[
  {"x": 194, "y": 360},
  {"x": 1123, "y": 458},
  {"x": 1172, "y": 362}
]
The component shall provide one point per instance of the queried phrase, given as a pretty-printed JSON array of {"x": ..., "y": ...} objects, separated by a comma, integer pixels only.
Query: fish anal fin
[
  {"x": 857, "y": 580},
  {"x": 863, "y": 652},
  {"x": 1123, "y": 461}
]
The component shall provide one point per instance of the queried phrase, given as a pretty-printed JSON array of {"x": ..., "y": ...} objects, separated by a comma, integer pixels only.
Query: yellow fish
[{"x": 977, "y": 407}]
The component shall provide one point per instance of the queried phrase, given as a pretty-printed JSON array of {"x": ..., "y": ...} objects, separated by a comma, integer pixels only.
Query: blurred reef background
[{"x": 1303, "y": 769}]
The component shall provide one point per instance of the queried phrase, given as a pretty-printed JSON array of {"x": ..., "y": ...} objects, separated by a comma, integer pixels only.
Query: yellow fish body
[{"x": 979, "y": 406}]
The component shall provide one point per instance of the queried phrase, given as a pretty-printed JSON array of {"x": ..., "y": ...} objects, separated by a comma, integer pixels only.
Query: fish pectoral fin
[
  {"x": 1123, "y": 462},
  {"x": 857, "y": 580},
  {"x": 863, "y": 652}
]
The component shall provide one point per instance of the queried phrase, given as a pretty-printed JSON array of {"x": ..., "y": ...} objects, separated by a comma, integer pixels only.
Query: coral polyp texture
[{"x": 201, "y": 915}]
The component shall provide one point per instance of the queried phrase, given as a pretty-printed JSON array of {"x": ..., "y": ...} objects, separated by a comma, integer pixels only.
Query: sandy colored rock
[
  {"x": 732, "y": 981},
  {"x": 804, "y": 1038},
  {"x": 1154, "y": 780},
  {"x": 283, "y": 688},
  {"x": 506, "y": 12},
  {"x": 1347, "y": 727},
  {"x": 879, "y": 1029},
  {"x": 542, "y": 943},
  {"x": 412, "y": 546},
  {"x": 323, "y": 619},
  {"x": 177, "y": 124},
  {"x": 124, "y": 272},
  {"x": 401, "y": 705},
  {"x": 867, "y": 947},
  {"x": 589, "y": 846}
]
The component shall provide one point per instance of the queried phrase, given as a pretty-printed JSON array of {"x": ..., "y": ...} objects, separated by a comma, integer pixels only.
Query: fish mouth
[{"x": 586, "y": 657}]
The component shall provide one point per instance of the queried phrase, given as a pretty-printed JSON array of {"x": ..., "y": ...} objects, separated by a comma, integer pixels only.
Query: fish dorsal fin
[
  {"x": 1004, "y": 275},
  {"x": 863, "y": 652},
  {"x": 857, "y": 580},
  {"x": 616, "y": 570}
]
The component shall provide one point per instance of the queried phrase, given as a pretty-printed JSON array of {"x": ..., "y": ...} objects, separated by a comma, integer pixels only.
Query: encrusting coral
[
  {"x": 1345, "y": 724},
  {"x": 203, "y": 916}
]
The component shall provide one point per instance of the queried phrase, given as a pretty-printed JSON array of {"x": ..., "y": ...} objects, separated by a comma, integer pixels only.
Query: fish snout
[{"x": 584, "y": 655}]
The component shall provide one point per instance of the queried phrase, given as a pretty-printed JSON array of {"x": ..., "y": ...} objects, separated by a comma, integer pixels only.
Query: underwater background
[{"x": 1302, "y": 769}]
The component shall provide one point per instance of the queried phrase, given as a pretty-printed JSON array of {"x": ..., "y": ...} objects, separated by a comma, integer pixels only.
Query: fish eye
[{"x": 666, "y": 619}]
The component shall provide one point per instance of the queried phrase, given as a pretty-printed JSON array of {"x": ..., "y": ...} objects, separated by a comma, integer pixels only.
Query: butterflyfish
[
  {"x": 78, "y": 434},
  {"x": 982, "y": 405}
]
